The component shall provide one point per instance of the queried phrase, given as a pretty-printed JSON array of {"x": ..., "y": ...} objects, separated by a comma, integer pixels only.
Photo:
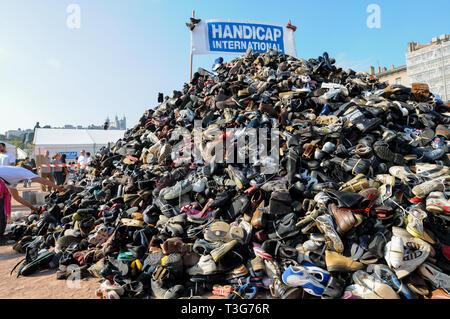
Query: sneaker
[
  {"x": 219, "y": 252},
  {"x": 298, "y": 276},
  {"x": 435, "y": 184},
  {"x": 394, "y": 252},
  {"x": 163, "y": 291},
  {"x": 100, "y": 236},
  {"x": 427, "y": 170},
  {"x": 237, "y": 176},
  {"x": 438, "y": 203},
  {"x": 200, "y": 185},
  {"x": 180, "y": 188},
  {"x": 405, "y": 175},
  {"x": 205, "y": 266},
  {"x": 415, "y": 224},
  {"x": 326, "y": 226},
  {"x": 416, "y": 252},
  {"x": 386, "y": 275},
  {"x": 378, "y": 289},
  {"x": 434, "y": 275},
  {"x": 204, "y": 247}
]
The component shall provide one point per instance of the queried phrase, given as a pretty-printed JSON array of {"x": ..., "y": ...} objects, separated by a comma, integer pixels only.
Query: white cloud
[{"x": 54, "y": 63}]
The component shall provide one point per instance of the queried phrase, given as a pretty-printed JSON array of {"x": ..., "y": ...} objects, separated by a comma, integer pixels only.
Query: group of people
[
  {"x": 25, "y": 172},
  {"x": 59, "y": 175}
]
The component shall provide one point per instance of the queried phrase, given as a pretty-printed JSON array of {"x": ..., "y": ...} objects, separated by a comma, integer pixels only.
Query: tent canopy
[
  {"x": 49, "y": 136},
  {"x": 71, "y": 141}
]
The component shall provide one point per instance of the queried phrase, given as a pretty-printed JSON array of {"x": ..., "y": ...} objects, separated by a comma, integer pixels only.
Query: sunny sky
[{"x": 126, "y": 51}]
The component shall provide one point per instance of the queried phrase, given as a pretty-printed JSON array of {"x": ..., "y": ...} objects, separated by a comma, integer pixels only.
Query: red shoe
[
  {"x": 446, "y": 252},
  {"x": 416, "y": 200}
]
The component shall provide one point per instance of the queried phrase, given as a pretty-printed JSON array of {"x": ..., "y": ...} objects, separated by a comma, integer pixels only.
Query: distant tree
[{"x": 18, "y": 143}]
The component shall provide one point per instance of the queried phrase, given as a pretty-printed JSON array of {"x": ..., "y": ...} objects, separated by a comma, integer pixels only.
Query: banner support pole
[{"x": 192, "y": 55}]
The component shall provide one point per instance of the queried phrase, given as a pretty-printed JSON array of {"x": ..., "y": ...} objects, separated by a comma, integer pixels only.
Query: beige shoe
[
  {"x": 357, "y": 183},
  {"x": 338, "y": 263},
  {"x": 386, "y": 179}
]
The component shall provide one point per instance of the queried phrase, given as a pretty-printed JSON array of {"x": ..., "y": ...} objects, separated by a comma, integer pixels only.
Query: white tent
[
  {"x": 21, "y": 154},
  {"x": 72, "y": 141},
  {"x": 11, "y": 149}
]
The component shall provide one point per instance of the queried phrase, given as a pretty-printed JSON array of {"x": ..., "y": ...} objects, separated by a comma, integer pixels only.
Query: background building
[
  {"x": 392, "y": 76},
  {"x": 117, "y": 124},
  {"x": 430, "y": 63}
]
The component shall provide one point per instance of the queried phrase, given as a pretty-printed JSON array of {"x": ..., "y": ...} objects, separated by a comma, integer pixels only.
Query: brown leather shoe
[
  {"x": 339, "y": 263},
  {"x": 268, "y": 108},
  {"x": 344, "y": 218},
  {"x": 256, "y": 199},
  {"x": 258, "y": 218}
]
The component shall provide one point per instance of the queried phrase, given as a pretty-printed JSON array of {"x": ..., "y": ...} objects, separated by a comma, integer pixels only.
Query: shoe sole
[
  {"x": 327, "y": 229},
  {"x": 436, "y": 209},
  {"x": 235, "y": 179},
  {"x": 217, "y": 256}
]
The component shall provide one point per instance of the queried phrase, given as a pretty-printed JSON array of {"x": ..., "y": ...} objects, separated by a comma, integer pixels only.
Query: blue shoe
[
  {"x": 434, "y": 154},
  {"x": 321, "y": 275},
  {"x": 386, "y": 275},
  {"x": 325, "y": 110},
  {"x": 299, "y": 276}
]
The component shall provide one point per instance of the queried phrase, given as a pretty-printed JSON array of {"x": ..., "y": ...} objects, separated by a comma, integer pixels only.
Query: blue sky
[{"x": 127, "y": 51}]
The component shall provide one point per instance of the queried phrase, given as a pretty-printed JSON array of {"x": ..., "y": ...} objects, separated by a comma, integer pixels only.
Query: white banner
[{"x": 234, "y": 37}]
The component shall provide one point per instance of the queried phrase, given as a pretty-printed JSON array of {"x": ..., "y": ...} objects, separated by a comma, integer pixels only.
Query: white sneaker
[
  {"x": 428, "y": 170},
  {"x": 405, "y": 174},
  {"x": 376, "y": 288},
  {"x": 199, "y": 185},
  {"x": 438, "y": 203},
  {"x": 205, "y": 266},
  {"x": 435, "y": 184},
  {"x": 417, "y": 251},
  {"x": 394, "y": 252},
  {"x": 431, "y": 273}
]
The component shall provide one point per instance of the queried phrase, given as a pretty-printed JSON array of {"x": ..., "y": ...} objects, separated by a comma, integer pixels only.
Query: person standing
[
  {"x": 82, "y": 161},
  {"x": 88, "y": 158},
  {"x": 46, "y": 172},
  {"x": 65, "y": 170},
  {"x": 29, "y": 166},
  {"x": 6, "y": 158},
  {"x": 57, "y": 171}
]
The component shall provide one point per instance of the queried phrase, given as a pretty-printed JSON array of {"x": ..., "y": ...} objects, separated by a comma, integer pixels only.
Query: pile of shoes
[{"x": 357, "y": 208}]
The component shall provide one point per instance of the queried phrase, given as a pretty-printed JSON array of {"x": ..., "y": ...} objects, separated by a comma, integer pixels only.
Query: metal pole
[{"x": 190, "y": 76}]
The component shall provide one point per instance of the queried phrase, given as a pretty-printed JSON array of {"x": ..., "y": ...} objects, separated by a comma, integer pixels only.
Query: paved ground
[{"x": 42, "y": 285}]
